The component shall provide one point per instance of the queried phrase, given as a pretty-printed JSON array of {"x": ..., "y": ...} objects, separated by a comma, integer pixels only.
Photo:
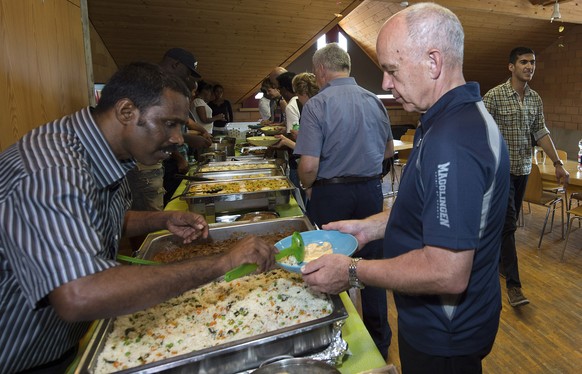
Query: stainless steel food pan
[
  {"x": 158, "y": 242},
  {"x": 233, "y": 357},
  {"x": 241, "y": 165},
  {"x": 219, "y": 202},
  {"x": 242, "y": 174}
]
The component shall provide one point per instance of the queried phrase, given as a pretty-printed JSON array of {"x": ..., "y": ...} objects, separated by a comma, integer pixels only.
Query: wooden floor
[{"x": 544, "y": 336}]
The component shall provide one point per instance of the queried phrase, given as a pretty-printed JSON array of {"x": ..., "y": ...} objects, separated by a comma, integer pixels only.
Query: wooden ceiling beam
[
  {"x": 547, "y": 2},
  {"x": 571, "y": 10}
]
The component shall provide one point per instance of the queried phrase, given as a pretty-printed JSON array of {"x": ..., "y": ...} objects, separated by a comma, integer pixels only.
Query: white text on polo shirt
[{"x": 442, "y": 174}]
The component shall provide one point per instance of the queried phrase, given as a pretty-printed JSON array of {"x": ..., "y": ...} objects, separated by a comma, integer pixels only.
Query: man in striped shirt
[{"x": 64, "y": 203}]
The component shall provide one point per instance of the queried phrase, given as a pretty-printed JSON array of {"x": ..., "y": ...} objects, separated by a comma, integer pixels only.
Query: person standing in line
[
  {"x": 519, "y": 113},
  {"x": 343, "y": 139},
  {"x": 442, "y": 236},
  {"x": 305, "y": 86},
  {"x": 293, "y": 108},
  {"x": 220, "y": 105},
  {"x": 280, "y": 103},
  {"x": 147, "y": 181},
  {"x": 265, "y": 101},
  {"x": 200, "y": 109}
]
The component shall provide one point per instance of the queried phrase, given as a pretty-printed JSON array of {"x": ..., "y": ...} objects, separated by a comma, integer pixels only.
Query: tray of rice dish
[{"x": 221, "y": 327}]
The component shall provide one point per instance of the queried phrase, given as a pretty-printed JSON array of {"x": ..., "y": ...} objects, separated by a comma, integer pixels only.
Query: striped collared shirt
[
  {"x": 518, "y": 121},
  {"x": 63, "y": 196}
]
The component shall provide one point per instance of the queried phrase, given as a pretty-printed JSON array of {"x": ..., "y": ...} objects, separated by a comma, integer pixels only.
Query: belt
[{"x": 344, "y": 180}]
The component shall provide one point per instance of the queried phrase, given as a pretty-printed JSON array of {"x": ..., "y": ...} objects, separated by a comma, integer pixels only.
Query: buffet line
[{"x": 248, "y": 194}]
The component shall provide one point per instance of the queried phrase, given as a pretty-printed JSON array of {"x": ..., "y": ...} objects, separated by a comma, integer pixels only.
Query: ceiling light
[{"x": 556, "y": 14}]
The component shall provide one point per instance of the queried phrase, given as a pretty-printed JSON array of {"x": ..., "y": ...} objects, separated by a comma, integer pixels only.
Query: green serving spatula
[{"x": 297, "y": 249}]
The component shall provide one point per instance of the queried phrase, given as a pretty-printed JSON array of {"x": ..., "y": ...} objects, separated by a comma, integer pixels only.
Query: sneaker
[{"x": 516, "y": 297}]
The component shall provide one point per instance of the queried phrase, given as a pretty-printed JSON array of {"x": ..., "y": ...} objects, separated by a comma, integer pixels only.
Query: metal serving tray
[
  {"x": 209, "y": 205},
  {"x": 158, "y": 242},
  {"x": 234, "y": 357},
  {"x": 242, "y": 174},
  {"x": 260, "y": 163}
]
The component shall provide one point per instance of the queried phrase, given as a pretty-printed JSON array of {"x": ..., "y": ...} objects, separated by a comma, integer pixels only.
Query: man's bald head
[{"x": 275, "y": 73}]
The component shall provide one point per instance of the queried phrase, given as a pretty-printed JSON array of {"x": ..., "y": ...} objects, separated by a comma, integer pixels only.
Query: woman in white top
[{"x": 200, "y": 109}]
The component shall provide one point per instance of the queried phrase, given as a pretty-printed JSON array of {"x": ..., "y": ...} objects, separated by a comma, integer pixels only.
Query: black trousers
[
  {"x": 416, "y": 362},
  {"x": 508, "y": 259},
  {"x": 336, "y": 202}
]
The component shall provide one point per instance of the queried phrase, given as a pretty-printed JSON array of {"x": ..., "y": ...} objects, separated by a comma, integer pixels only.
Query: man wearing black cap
[
  {"x": 147, "y": 182},
  {"x": 180, "y": 62}
]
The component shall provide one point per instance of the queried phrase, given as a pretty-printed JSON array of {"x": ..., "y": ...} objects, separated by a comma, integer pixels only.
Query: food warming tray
[
  {"x": 242, "y": 174},
  {"x": 209, "y": 204},
  {"x": 234, "y": 357},
  {"x": 241, "y": 165},
  {"x": 158, "y": 242}
]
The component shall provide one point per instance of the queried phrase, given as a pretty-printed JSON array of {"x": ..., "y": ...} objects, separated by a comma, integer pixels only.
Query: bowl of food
[
  {"x": 262, "y": 141},
  {"x": 272, "y": 130},
  {"x": 317, "y": 243}
]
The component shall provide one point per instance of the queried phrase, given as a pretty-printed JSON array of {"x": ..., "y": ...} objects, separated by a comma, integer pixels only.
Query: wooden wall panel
[
  {"x": 103, "y": 64},
  {"x": 42, "y": 64}
]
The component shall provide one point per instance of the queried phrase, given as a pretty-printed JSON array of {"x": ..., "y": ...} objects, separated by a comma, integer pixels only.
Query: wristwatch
[
  {"x": 303, "y": 187},
  {"x": 353, "y": 276},
  {"x": 558, "y": 162}
]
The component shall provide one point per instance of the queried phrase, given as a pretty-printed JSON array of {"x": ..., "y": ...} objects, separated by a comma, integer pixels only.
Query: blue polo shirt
[{"x": 453, "y": 194}]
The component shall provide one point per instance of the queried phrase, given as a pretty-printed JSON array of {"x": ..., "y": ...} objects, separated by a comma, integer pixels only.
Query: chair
[
  {"x": 575, "y": 213},
  {"x": 553, "y": 186},
  {"x": 535, "y": 194},
  {"x": 407, "y": 138},
  {"x": 403, "y": 154}
]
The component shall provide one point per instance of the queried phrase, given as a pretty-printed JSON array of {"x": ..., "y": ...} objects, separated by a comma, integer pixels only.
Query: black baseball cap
[{"x": 185, "y": 58}]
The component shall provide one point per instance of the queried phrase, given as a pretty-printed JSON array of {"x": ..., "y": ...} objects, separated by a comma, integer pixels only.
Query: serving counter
[{"x": 362, "y": 353}]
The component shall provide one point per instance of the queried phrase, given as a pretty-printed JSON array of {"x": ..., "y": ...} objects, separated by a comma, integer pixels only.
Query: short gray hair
[
  {"x": 434, "y": 26},
  {"x": 333, "y": 58}
]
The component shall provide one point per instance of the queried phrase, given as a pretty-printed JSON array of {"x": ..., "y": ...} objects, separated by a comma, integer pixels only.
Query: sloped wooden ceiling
[
  {"x": 237, "y": 42},
  {"x": 492, "y": 29}
]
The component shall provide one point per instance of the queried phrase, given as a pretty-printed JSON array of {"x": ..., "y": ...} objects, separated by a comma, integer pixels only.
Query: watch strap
[{"x": 352, "y": 274}]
